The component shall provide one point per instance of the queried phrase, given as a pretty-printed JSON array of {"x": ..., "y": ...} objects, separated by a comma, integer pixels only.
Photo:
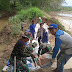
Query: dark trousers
[
  {"x": 22, "y": 28},
  {"x": 33, "y": 35},
  {"x": 39, "y": 40}
]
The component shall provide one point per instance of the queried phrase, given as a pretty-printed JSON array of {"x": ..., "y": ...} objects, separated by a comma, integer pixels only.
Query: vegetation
[
  {"x": 66, "y": 8},
  {"x": 23, "y": 15},
  {"x": 5, "y": 5},
  {"x": 8, "y": 5}
]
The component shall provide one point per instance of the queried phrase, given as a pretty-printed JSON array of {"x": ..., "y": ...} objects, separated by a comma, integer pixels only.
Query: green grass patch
[
  {"x": 30, "y": 13},
  {"x": 66, "y": 8}
]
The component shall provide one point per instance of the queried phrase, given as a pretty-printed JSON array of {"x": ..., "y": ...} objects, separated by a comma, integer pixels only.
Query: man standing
[
  {"x": 22, "y": 25},
  {"x": 40, "y": 33},
  {"x": 63, "y": 41},
  {"x": 32, "y": 28}
]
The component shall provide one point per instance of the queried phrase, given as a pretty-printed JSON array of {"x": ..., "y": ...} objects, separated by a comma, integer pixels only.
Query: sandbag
[{"x": 44, "y": 59}]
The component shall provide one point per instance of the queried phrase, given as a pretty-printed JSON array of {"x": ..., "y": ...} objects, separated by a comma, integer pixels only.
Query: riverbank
[
  {"x": 5, "y": 53},
  {"x": 65, "y": 18}
]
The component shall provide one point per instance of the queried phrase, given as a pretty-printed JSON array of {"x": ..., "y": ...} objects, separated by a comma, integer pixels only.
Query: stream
[{"x": 3, "y": 22}]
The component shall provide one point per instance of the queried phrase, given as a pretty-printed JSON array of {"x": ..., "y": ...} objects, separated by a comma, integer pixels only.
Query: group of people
[
  {"x": 42, "y": 34},
  {"x": 23, "y": 48}
]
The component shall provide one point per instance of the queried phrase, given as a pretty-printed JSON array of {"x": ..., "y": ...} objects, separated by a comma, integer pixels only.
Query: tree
[{"x": 5, "y": 5}]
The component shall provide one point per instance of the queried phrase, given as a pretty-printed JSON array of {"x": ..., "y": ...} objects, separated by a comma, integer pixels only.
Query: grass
[
  {"x": 66, "y": 8},
  {"x": 71, "y": 69},
  {"x": 1, "y": 69},
  {"x": 30, "y": 13}
]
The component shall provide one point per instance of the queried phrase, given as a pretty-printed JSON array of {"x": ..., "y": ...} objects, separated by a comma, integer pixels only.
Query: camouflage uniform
[
  {"x": 44, "y": 47},
  {"x": 21, "y": 51},
  {"x": 28, "y": 34}
]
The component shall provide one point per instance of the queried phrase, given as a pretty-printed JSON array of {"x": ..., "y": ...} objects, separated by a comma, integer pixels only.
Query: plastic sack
[
  {"x": 31, "y": 64},
  {"x": 44, "y": 60}
]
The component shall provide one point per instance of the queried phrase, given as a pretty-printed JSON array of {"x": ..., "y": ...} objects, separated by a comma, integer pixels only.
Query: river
[{"x": 3, "y": 22}]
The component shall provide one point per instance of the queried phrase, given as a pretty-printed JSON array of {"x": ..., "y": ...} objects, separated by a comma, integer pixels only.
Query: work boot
[{"x": 55, "y": 70}]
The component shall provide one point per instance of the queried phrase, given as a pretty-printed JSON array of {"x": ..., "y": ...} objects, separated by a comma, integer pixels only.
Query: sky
[{"x": 68, "y": 3}]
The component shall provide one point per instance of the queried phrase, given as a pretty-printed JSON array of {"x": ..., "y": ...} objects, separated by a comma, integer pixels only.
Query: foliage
[
  {"x": 66, "y": 8},
  {"x": 24, "y": 4},
  {"x": 47, "y": 5},
  {"x": 23, "y": 15},
  {"x": 5, "y": 5},
  {"x": 15, "y": 25},
  {"x": 30, "y": 13}
]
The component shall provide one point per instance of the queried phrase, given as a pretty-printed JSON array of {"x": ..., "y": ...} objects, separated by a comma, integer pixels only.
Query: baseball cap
[{"x": 53, "y": 26}]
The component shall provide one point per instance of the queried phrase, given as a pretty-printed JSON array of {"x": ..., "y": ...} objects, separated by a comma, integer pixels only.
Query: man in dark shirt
[{"x": 18, "y": 51}]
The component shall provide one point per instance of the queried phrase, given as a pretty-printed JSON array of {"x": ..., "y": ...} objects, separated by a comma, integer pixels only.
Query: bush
[
  {"x": 23, "y": 15},
  {"x": 30, "y": 13}
]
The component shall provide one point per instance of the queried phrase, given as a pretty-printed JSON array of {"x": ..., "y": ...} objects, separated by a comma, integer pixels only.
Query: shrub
[
  {"x": 30, "y": 13},
  {"x": 23, "y": 15}
]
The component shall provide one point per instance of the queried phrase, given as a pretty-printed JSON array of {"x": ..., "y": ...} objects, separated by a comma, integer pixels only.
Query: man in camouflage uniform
[
  {"x": 21, "y": 51},
  {"x": 29, "y": 35},
  {"x": 43, "y": 48}
]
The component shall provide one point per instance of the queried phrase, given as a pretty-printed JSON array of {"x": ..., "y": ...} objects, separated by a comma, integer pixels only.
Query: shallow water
[
  {"x": 3, "y": 22},
  {"x": 67, "y": 15}
]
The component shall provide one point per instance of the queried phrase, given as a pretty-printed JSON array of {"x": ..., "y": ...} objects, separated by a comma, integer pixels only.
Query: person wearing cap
[
  {"x": 40, "y": 33},
  {"x": 63, "y": 41},
  {"x": 32, "y": 28}
]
